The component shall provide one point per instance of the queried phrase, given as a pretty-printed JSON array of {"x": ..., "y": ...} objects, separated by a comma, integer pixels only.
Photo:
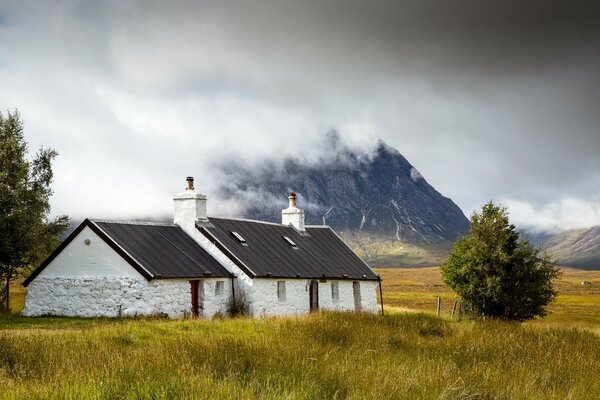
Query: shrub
[
  {"x": 497, "y": 273},
  {"x": 238, "y": 306}
]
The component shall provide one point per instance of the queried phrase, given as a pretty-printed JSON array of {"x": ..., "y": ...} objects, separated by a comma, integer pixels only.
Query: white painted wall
[
  {"x": 113, "y": 296},
  {"x": 346, "y": 296},
  {"x": 81, "y": 260},
  {"x": 369, "y": 290},
  {"x": 264, "y": 301},
  {"x": 215, "y": 303}
]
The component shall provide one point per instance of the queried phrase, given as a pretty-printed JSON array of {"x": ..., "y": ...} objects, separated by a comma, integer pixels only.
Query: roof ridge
[
  {"x": 125, "y": 222},
  {"x": 249, "y": 220}
]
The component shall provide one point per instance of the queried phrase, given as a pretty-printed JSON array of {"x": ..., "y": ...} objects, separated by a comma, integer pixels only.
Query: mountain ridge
[
  {"x": 577, "y": 248},
  {"x": 379, "y": 199}
]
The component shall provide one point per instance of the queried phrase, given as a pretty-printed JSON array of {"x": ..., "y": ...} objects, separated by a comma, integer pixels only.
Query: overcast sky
[{"x": 488, "y": 100}]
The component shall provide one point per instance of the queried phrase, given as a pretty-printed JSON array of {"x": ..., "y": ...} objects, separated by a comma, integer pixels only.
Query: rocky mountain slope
[
  {"x": 380, "y": 204},
  {"x": 578, "y": 248}
]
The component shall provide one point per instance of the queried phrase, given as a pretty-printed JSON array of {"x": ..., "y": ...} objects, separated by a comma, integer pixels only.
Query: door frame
[
  {"x": 197, "y": 293},
  {"x": 313, "y": 295},
  {"x": 357, "y": 296}
]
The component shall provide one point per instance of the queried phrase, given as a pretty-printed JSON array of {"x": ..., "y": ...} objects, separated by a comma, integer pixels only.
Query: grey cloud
[{"x": 487, "y": 99}]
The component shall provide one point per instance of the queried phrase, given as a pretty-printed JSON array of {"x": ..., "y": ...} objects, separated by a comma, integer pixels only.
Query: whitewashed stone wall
[
  {"x": 265, "y": 302},
  {"x": 119, "y": 296},
  {"x": 369, "y": 291},
  {"x": 214, "y": 303},
  {"x": 346, "y": 296}
]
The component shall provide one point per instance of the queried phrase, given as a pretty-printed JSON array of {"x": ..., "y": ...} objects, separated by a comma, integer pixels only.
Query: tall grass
[{"x": 321, "y": 356}]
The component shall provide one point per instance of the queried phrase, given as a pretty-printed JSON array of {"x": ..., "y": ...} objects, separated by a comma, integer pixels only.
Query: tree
[
  {"x": 26, "y": 234},
  {"x": 497, "y": 273}
]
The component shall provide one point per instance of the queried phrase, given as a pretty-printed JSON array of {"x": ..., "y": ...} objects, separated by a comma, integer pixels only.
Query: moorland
[{"x": 409, "y": 353}]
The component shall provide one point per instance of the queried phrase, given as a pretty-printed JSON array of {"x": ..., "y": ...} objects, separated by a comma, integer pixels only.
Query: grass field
[
  {"x": 577, "y": 305},
  {"x": 404, "y": 355}
]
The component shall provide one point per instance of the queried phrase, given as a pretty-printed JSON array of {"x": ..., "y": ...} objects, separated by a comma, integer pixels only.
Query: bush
[
  {"x": 238, "y": 306},
  {"x": 497, "y": 273}
]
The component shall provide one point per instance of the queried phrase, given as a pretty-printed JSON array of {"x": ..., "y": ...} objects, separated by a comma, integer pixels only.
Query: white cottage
[{"x": 196, "y": 265}]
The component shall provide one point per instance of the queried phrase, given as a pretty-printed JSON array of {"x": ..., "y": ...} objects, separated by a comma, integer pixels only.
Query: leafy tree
[
  {"x": 26, "y": 234},
  {"x": 498, "y": 274}
]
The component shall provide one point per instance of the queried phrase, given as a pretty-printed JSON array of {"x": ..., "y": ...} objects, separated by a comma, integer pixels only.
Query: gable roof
[
  {"x": 318, "y": 254},
  {"x": 153, "y": 250}
]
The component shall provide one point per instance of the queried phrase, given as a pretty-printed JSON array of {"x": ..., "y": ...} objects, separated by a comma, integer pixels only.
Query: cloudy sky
[{"x": 488, "y": 100}]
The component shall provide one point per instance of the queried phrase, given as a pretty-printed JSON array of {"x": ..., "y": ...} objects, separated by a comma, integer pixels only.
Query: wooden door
[
  {"x": 314, "y": 295},
  {"x": 200, "y": 298},
  {"x": 197, "y": 292},
  {"x": 357, "y": 297}
]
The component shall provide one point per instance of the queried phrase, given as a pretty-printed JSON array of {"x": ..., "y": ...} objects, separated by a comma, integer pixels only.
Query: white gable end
[{"x": 96, "y": 259}]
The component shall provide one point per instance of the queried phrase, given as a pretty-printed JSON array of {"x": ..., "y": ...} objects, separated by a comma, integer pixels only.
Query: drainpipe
[
  {"x": 380, "y": 294},
  {"x": 232, "y": 288}
]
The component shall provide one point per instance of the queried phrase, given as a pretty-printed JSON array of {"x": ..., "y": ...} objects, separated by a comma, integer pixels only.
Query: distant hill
[
  {"x": 380, "y": 204},
  {"x": 578, "y": 248}
]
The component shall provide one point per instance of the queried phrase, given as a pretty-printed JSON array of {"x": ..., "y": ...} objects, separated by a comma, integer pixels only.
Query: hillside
[
  {"x": 578, "y": 248},
  {"x": 379, "y": 202}
]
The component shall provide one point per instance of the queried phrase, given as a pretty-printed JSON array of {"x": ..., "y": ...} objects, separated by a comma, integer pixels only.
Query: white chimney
[
  {"x": 190, "y": 207},
  {"x": 293, "y": 215}
]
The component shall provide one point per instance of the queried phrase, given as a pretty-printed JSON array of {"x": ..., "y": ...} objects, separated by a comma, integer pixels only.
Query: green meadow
[{"x": 407, "y": 354}]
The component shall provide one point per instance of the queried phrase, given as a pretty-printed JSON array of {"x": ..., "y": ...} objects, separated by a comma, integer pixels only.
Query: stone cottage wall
[
  {"x": 92, "y": 280},
  {"x": 120, "y": 296},
  {"x": 264, "y": 301}
]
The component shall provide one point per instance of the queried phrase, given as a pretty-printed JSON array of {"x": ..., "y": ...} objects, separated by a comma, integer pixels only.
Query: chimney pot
[
  {"x": 293, "y": 215},
  {"x": 190, "y": 183},
  {"x": 292, "y": 199}
]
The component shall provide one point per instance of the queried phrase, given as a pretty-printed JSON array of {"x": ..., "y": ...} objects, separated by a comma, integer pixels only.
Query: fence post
[
  {"x": 439, "y": 305},
  {"x": 453, "y": 309}
]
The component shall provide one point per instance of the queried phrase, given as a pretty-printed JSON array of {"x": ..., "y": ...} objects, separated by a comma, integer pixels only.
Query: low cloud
[{"x": 554, "y": 217}]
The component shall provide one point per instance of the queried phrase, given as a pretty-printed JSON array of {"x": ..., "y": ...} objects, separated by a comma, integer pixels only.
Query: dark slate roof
[
  {"x": 165, "y": 251},
  {"x": 154, "y": 250},
  {"x": 319, "y": 253}
]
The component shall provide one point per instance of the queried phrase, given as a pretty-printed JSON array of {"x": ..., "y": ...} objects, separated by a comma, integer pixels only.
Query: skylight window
[
  {"x": 290, "y": 241},
  {"x": 239, "y": 237}
]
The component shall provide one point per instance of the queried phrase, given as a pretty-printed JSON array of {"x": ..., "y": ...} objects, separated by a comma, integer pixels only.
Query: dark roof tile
[
  {"x": 318, "y": 253},
  {"x": 166, "y": 251}
]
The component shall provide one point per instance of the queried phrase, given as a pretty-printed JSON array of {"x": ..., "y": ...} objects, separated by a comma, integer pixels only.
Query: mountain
[
  {"x": 379, "y": 203},
  {"x": 578, "y": 248}
]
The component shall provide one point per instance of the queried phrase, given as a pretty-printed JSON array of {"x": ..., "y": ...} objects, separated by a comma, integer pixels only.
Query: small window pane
[
  {"x": 219, "y": 286},
  {"x": 335, "y": 291},
  {"x": 281, "y": 290},
  {"x": 290, "y": 241},
  {"x": 238, "y": 237}
]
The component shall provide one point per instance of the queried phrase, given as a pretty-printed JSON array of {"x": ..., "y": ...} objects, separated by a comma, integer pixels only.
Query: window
[
  {"x": 290, "y": 241},
  {"x": 219, "y": 286},
  {"x": 239, "y": 238},
  {"x": 335, "y": 291},
  {"x": 281, "y": 290}
]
